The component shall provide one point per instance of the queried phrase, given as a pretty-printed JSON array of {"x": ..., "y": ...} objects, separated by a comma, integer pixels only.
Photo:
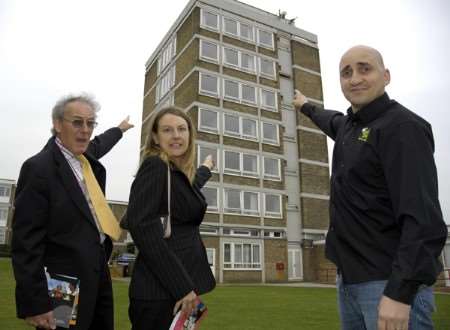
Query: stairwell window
[
  {"x": 272, "y": 206},
  {"x": 208, "y": 120},
  {"x": 269, "y": 100},
  {"x": 267, "y": 68},
  {"x": 265, "y": 39},
  {"x": 270, "y": 133},
  {"x": 271, "y": 168}
]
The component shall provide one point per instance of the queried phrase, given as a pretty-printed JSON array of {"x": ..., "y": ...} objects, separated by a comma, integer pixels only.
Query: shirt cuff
[{"x": 401, "y": 290}]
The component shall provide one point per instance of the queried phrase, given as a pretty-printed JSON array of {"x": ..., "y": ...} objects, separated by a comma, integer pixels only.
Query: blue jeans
[{"x": 358, "y": 306}]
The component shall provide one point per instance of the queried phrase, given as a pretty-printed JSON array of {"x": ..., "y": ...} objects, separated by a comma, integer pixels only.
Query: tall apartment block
[{"x": 233, "y": 68}]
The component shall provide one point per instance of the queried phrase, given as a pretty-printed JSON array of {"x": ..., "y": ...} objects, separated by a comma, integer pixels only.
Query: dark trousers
[
  {"x": 150, "y": 314},
  {"x": 103, "y": 317}
]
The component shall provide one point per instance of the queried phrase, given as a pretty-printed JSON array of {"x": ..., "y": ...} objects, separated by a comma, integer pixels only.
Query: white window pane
[
  {"x": 251, "y": 201},
  {"x": 273, "y": 203},
  {"x": 249, "y": 93},
  {"x": 227, "y": 253},
  {"x": 208, "y": 119},
  {"x": 267, "y": 67},
  {"x": 265, "y": 38},
  {"x": 247, "y": 253},
  {"x": 209, "y": 83},
  {"x": 237, "y": 253},
  {"x": 248, "y": 62},
  {"x": 256, "y": 256},
  {"x": 231, "y": 124},
  {"x": 231, "y": 26},
  {"x": 268, "y": 98},
  {"x": 269, "y": 132},
  {"x": 271, "y": 167},
  {"x": 232, "y": 160},
  {"x": 250, "y": 163},
  {"x": 205, "y": 151},
  {"x": 249, "y": 127},
  {"x": 231, "y": 56},
  {"x": 231, "y": 89},
  {"x": 210, "y": 196},
  {"x": 209, "y": 50},
  {"x": 210, "y": 19},
  {"x": 246, "y": 32}
]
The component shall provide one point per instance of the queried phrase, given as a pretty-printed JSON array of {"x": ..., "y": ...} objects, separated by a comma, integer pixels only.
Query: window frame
[
  {"x": 207, "y": 92},
  {"x": 264, "y": 74},
  {"x": 203, "y": 20},
  {"x": 273, "y": 214},
  {"x": 200, "y": 161},
  {"x": 261, "y": 44},
  {"x": 203, "y": 128},
  {"x": 269, "y": 141},
  {"x": 271, "y": 176},
  {"x": 209, "y": 208},
  {"x": 205, "y": 57},
  {"x": 232, "y": 264},
  {"x": 266, "y": 106}
]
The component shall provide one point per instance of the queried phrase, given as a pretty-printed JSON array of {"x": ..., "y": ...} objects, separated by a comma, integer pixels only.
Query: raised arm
[{"x": 327, "y": 120}]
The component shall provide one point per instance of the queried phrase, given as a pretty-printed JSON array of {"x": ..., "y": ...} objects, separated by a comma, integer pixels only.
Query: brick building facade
[{"x": 233, "y": 68}]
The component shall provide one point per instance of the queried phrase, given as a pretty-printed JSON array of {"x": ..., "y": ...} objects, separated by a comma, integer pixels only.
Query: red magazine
[{"x": 181, "y": 322}]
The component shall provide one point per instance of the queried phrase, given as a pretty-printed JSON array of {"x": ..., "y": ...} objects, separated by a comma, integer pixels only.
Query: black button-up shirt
[{"x": 385, "y": 219}]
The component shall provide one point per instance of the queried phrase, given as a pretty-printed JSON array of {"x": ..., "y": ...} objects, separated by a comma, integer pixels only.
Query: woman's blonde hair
[{"x": 153, "y": 149}]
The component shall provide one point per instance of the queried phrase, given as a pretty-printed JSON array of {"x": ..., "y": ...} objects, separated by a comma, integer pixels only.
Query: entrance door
[{"x": 295, "y": 271}]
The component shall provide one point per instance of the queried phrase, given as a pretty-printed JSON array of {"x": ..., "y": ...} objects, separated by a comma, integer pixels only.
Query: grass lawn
[{"x": 233, "y": 307}]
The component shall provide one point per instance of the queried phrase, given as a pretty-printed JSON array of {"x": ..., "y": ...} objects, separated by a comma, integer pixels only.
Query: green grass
[{"x": 233, "y": 307}]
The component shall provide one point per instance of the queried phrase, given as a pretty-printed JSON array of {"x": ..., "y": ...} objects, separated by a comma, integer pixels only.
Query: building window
[
  {"x": 209, "y": 85},
  {"x": 5, "y": 191},
  {"x": 241, "y": 256},
  {"x": 204, "y": 151},
  {"x": 209, "y": 51},
  {"x": 166, "y": 56},
  {"x": 165, "y": 84},
  {"x": 271, "y": 168},
  {"x": 270, "y": 133},
  {"x": 242, "y": 127},
  {"x": 272, "y": 205},
  {"x": 231, "y": 125},
  {"x": 265, "y": 39},
  {"x": 232, "y": 162},
  {"x": 208, "y": 120},
  {"x": 248, "y": 62},
  {"x": 246, "y": 32},
  {"x": 230, "y": 26},
  {"x": 251, "y": 203},
  {"x": 274, "y": 234},
  {"x": 267, "y": 68},
  {"x": 211, "y": 196},
  {"x": 269, "y": 100},
  {"x": 248, "y": 94},
  {"x": 249, "y": 130},
  {"x": 209, "y": 20},
  {"x": 208, "y": 231},
  {"x": 231, "y": 90},
  {"x": 231, "y": 57},
  {"x": 241, "y": 232},
  {"x": 3, "y": 217},
  {"x": 250, "y": 165},
  {"x": 2, "y": 235},
  {"x": 232, "y": 201}
]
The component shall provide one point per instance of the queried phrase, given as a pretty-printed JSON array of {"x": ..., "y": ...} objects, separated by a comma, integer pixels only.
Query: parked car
[{"x": 124, "y": 259}]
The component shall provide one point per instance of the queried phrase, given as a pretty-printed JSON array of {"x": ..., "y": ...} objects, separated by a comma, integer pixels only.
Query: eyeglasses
[{"x": 79, "y": 123}]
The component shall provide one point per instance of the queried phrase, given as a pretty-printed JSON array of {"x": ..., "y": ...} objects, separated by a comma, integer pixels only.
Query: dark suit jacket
[
  {"x": 53, "y": 227},
  {"x": 167, "y": 268}
]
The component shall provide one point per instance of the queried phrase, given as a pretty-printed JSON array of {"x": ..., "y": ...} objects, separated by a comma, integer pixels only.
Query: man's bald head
[{"x": 363, "y": 75}]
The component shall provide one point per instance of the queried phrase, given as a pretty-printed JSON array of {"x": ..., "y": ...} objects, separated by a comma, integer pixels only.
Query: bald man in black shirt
[{"x": 386, "y": 229}]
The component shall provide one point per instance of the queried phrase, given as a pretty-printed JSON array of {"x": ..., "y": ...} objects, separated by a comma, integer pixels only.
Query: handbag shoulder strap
[{"x": 168, "y": 191}]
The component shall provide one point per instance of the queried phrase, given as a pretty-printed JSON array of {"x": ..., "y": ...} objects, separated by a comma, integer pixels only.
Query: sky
[{"x": 50, "y": 48}]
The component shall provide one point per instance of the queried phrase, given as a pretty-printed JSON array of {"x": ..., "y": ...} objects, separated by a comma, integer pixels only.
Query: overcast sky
[{"x": 50, "y": 48}]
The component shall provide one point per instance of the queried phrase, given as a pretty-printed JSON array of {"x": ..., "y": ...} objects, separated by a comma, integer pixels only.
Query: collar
[
  {"x": 66, "y": 152},
  {"x": 372, "y": 110}
]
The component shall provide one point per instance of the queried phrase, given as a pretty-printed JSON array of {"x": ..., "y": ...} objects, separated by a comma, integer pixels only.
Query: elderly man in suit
[{"x": 62, "y": 221}]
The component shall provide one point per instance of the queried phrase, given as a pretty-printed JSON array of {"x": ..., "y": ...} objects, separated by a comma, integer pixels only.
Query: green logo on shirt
[{"x": 364, "y": 136}]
